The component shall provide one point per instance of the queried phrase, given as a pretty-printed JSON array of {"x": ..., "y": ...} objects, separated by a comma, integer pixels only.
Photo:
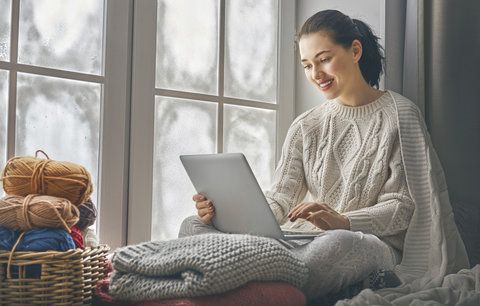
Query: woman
[{"x": 346, "y": 153}]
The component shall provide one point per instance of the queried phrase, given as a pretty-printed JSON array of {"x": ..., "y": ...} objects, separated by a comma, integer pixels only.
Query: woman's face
[{"x": 330, "y": 67}]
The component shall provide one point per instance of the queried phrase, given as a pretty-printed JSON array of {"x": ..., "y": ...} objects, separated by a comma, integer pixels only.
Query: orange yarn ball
[
  {"x": 29, "y": 175},
  {"x": 38, "y": 211}
]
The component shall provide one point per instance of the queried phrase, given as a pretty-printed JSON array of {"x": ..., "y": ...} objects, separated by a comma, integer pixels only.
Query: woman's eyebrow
[{"x": 316, "y": 55}]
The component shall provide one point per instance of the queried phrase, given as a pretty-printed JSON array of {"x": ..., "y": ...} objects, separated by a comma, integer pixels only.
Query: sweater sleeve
[
  {"x": 394, "y": 207},
  {"x": 289, "y": 185}
]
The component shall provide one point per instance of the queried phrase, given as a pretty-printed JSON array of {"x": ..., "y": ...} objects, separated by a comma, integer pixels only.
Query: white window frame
[
  {"x": 143, "y": 106},
  {"x": 115, "y": 124}
]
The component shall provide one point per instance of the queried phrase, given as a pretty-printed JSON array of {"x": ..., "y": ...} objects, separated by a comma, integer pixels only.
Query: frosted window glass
[
  {"x": 187, "y": 40},
  {"x": 3, "y": 117},
  {"x": 62, "y": 34},
  {"x": 251, "y": 49},
  {"x": 251, "y": 131},
  {"x": 5, "y": 6},
  {"x": 181, "y": 127},
  {"x": 60, "y": 117}
]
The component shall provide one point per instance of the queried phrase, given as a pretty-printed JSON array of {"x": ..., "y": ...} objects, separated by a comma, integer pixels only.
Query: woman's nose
[{"x": 317, "y": 74}]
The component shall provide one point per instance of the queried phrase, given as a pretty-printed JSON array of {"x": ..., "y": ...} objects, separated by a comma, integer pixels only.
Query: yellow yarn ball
[{"x": 29, "y": 175}]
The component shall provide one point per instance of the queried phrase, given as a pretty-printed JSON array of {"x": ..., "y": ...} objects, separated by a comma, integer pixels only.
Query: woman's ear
[{"x": 357, "y": 50}]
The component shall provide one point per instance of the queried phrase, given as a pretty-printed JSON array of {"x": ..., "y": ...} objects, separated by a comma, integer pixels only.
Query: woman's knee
[
  {"x": 193, "y": 225},
  {"x": 188, "y": 226},
  {"x": 342, "y": 238},
  {"x": 370, "y": 245}
]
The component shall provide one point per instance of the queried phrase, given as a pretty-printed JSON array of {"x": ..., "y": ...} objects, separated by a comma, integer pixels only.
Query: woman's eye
[
  {"x": 325, "y": 60},
  {"x": 307, "y": 67}
]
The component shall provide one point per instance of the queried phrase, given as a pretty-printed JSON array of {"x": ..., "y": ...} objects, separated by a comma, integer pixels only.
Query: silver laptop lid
[{"x": 228, "y": 180}]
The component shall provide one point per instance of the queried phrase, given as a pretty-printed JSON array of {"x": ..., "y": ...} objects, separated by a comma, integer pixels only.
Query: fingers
[
  {"x": 302, "y": 210},
  {"x": 207, "y": 218},
  {"x": 293, "y": 214},
  {"x": 199, "y": 197},
  {"x": 206, "y": 213},
  {"x": 205, "y": 208},
  {"x": 204, "y": 204}
]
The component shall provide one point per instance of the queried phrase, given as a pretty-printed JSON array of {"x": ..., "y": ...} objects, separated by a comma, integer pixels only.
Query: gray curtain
[{"x": 433, "y": 58}]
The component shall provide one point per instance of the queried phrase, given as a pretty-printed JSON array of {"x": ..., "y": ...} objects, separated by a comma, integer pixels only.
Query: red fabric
[
  {"x": 77, "y": 237},
  {"x": 252, "y": 294}
]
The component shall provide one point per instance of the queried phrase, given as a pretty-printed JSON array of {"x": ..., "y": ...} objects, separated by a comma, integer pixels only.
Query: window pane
[
  {"x": 187, "y": 56},
  {"x": 3, "y": 117},
  {"x": 181, "y": 127},
  {"x": 252, "y": 132},
  {"x": 62, "y": 34},
  {"x": 60, "y": 117},
  {"x": 251, "y": 49},
  {"x": 5, "y": 29}
]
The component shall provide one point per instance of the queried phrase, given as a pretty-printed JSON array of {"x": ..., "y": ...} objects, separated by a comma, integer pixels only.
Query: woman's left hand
[{"x": 321, "y": 215}]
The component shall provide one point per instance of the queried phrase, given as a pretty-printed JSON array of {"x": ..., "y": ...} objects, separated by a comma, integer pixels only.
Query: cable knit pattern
[
  {"x": 201, "y": 265},
  {"x": 350, "y": 159}
]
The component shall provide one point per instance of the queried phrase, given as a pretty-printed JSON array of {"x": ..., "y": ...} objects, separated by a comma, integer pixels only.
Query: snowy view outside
[
  {"x": 62, "y": 34},
  {"x": 187, "y": 50},
  {"x": 251, "y": 50},
  {"x": 59, "y": 116},
  {"x": 187, "y": 61},
  {"x": 5, "y": 30},
  {"x": 181, "y": 127},
  {"x": 252, "y": 132}
]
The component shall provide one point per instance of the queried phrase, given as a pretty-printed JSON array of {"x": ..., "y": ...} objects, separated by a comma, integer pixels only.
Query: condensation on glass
[
  {"x": 60, "y": 34},
  {"x": 251, "y": 49},
  {"x": 187, "y": 45},
  {"x": 5, "y": 7},
  {"x": 3, "y": 117},
  {"x": 252, "y": 132},
  {"x": 181, "y": 127},
  {"x": 60, "y": 117}
]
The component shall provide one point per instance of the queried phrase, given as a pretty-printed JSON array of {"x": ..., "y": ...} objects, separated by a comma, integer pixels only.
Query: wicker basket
[{"x": 51, "y": 278}]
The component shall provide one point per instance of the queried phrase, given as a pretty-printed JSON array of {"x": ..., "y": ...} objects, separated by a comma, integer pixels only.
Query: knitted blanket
[
  {"x": 433, "y": 247},
  {"x": 201, "y": 265}
]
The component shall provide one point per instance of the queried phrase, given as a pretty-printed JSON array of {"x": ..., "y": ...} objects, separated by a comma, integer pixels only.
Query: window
[
  {"x": 51, "y": 76},
  {"x": 216, "y": 89},
  {"x": 64, "y": 88},
  {"x": 192, "y": 110},
  {"x": 110, "y": 85}
]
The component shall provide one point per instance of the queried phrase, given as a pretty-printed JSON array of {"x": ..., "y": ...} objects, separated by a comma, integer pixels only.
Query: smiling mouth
[{"x": 326, "y": 84}]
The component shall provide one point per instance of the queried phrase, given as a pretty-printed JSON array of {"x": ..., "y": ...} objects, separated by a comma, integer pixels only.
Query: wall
[{"x": 370, "y": 11}]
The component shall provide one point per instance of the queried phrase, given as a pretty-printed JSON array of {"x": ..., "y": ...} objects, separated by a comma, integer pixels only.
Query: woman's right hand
[{"x": 205, "y": 209}]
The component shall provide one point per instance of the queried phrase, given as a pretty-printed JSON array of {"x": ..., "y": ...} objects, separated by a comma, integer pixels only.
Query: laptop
[{"x": 240, "y": 205}]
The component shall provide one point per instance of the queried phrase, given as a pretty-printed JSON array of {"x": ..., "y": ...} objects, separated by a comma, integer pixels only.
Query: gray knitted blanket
[{"x": 201, "y": 265}]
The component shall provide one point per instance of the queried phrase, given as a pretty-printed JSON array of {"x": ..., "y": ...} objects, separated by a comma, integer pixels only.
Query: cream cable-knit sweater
[{"x": 348, "y": 158}]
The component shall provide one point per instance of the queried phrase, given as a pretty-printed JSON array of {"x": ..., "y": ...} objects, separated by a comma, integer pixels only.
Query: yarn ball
[
  {"x": 77, "y": 237},
  {"x": 37, "y": 211},
  {"x": 88, "y": 214},
  {"x": 29, "y": 175}
]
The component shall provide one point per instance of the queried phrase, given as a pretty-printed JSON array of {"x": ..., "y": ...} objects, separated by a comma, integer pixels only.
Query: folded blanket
[
  {"x": 36, "y": 240},
  {"x": 201, "y": 265}
]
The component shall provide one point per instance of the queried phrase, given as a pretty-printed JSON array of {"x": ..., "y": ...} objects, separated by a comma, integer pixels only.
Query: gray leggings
[{"x": 336, "y": 258}]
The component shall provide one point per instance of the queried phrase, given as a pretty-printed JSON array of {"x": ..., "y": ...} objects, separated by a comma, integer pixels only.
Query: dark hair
[{"x": 343, "y": 31}]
